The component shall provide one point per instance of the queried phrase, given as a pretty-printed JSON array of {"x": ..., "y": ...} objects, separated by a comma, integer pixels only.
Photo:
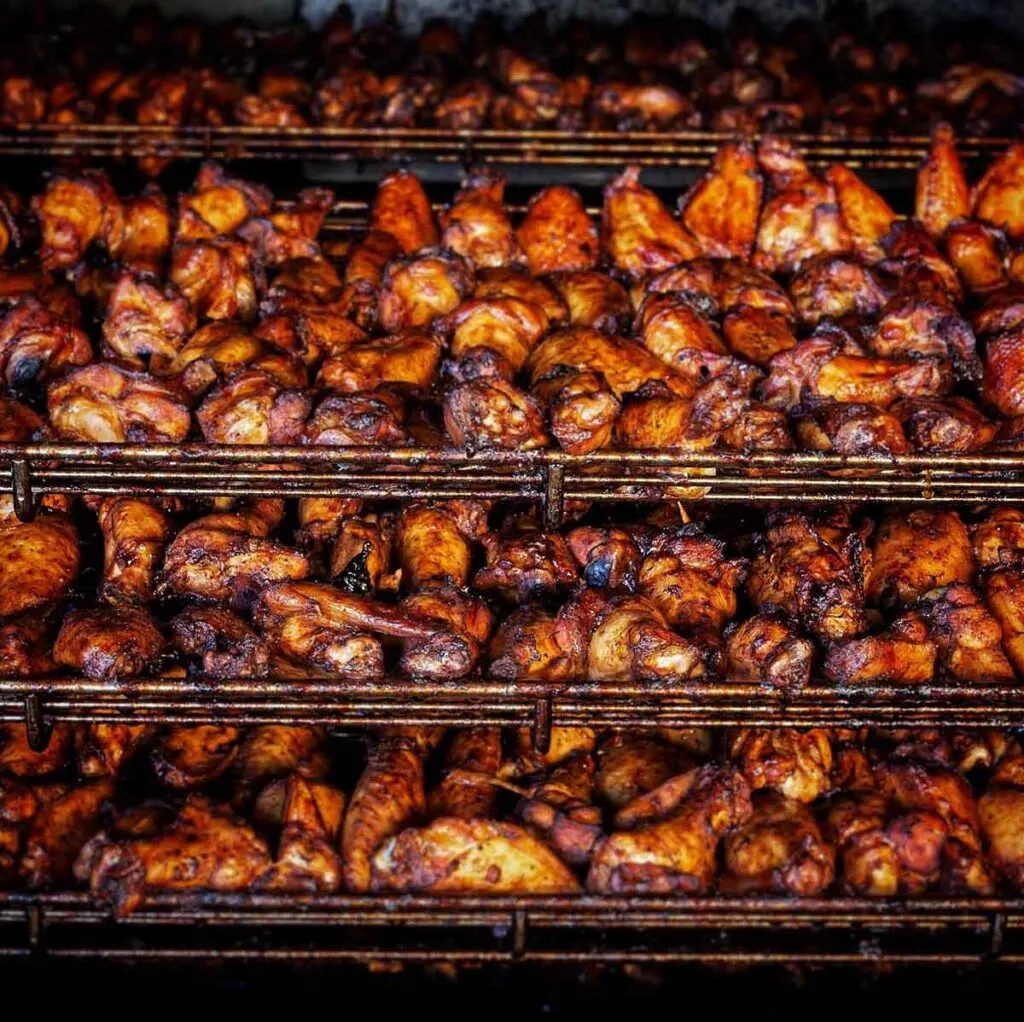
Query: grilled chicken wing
[
  {"x": 780, "y": 849},
  {"x": 757, "y": 335},
  {"x": 833, "y": 287},
  {"x": 19, "y": 759},
  {"x": 942, "y": 193},
  {"x": 796, "y": 764},
  {"x": 766, "y": 649},
  {"x": 416, "y": 290},
  {"x": 224, "y": 644},
  {"x": 477, "y": 226},
  {"x": 109, "y": 643},
  {"x": 223, "y": 853},
  {"x": 143, "y": 320},
  {"x": 866, "y": 215},
  {"x": 639, "y": 234},
  {"x": 510, "y": 327},
  {"x": 75, "y": 213},
  {"x": 525, "y": 566},
  {"x": 102, "y": 750},
  {"x": 59, "y": 830},
  {"x": 135, "y": 533},
  {"x": 997, "y": 196},
  {"x": 38, "y": 560},
  {"x": 916, "y": 552},
  {"x": 673, "y": 328},
  {"x": 608, "y": 558},
  {"x": 401, "y": 208},
  {"x": 630, "y": 764},
  {"x": 105, "y": 403},
  {"x": 492, "y": 413},
  {"x": 904, "y": 654},
  {"x": 667, "y": 840},
  {"x": 999, "y": 812},
  {"x": 189, "y": 757},
  {"x": 801, "y": 218},
  {"x": 594, "y": 300},
  {"x": 803, "y": 576},
  {"x": 433, "y": 543},
  {"x": 410, "y": 358},
  {"x": 147, "y": 232},
  {"x": 253, "y": 408},
  {"x": 581, "y": 409},
  {"x": 557, "y": 235},
  {"x": 220, "y": 278},
  {"x": 290, "y": 233},
  {"x": 36, "y": 344},
  {"x": 465, "y": 790},
  {"x": 227, "y": 558}
]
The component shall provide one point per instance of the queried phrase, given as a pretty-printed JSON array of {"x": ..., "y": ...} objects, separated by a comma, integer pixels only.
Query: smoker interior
[{"x": 415, "y": 930}]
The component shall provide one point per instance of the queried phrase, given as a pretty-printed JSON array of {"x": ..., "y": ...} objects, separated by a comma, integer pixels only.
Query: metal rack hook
[
  {"x": 542, "y": 724},
  {"x": 553, "y": 502},
  {"x": 21, "y": 491},
  {"x": 37, "y": 727}
]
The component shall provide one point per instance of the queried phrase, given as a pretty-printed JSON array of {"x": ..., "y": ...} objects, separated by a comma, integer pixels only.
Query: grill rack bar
[
  {"x": 539, "y": 147},
  {"x": 550, "y": 477},
  {"x": 40, "y": 702},
  {"x": 526, "y": 929}
]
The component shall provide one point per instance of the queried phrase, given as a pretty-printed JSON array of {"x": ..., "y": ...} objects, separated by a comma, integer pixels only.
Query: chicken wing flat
[
  {"x": 290, "y": 233},
  {"x": 147, "y": 232},
  {"x": 556, "y": 234},
  {"x": 220, "y": 278},
  {"x": 721, "y": 211},
  {"x": 109, "y": 643},
  {"x": 189, "y": 757},
  {"x": 803, "y": 576},
  {"x": 942, "y": 193},
  {"x": 801, "y": 218},
  {"x": 916, "y": 552},
  {"x": 673, "y": 328},
  {"x": 912, "y": 328},
  {"x": 135, "y": 533},
  {"x": 307, "y": 859},
  {"x": 905, "y": 655},
  {"x": 59, "y": 830},
  {"x": 219, "y": 204},
  {"x": 144, "y": 320},
  {"x": 630, "y": 764},
  {"x": 780, "y": 849},
  {"x": 223, "y": 853},
  {"x": 401, "y": 208},
  {"x": 416, "y": 290},
  {"x": 849, "y": 429},
  {"x": 666, "y": 841},
  {"x": 39, "y": 560},
  {"x": 410, "y": 358},
  {"x": 253, "y": 408},
  {"x": 997, "y": 196},
  {"x": 511, "y": 327},
  {"x": 796, "y": 764},
  {"x": 757, "y": 335},
  {"x": 105, "y": 403},
  {"x": 594, "y": 300},
  {"x": 513, "y": 282},
  {"x": 866, "y": 215},
  {"x": 492, "y": 413},
  {"x": 833, "y": 287},
  {"x": 638, "y": 232},
  {"x": 223, "y": 643},
  {"x": 532, "y": 644},
  {"x": 26, "y": 644},
  {"x": 464, "y": 790},
  {"x": 452, "y": 856},
  {"x": 433, "y": 543},
  {"x": 953, "y": 424},
  {"x": 766, "y": 649},
  {"x": 227, "y": 558},
  {"x": 1004, "y": 595}
]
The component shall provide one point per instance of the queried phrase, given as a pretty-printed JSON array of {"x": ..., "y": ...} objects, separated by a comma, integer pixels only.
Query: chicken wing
[
  {"x": 253, "y": 408},
  {"x": 19, "y": 759},
  {"x": 866, "y": 215},
  {"x": 556, "y": 234},
  {"x": 219, "y": 204},
  {"x": 905, "y": 655},
  {"x": 477, "y": 226},
  {"x": 36, "y": 344},
  {"x": 953, "y": 424},
  {"x": 525, "y": 566},
  {"x": 796, "y": 764},
  {"x": 109, "y": 643},
  {"x": 767, "y": 650},
  {"x": 999, "y": 810},
  {"x": 433, "y": 542},
  {"x": 594, "y": 300},
  {"x": 492, "y": 413},
  {"x": 39, "y": 560},
  {"x": 75, "y": 213},
  {"x": 190, "y": 757},
  {"x": 608, "y": 558},
  {"x": 632, "y": 763},
  {"x": 143, "y": 320},
  {"x": 290, "y": 233},
  {"x": 401, "y": 208},
  {"x": 942, "y": 193},
  {"x": 135, "y": 533},
  {"x": 224, "y": 644},
  {"x": 147, "y": 232},
  {"x": 102, "y": 750},
  {"x": 411, "y": 359},
  {"x": 465, "y": 790},
  {"x": 220, "y": 278},
  {"x": 416, "y": 290},
  {"x": 833, "y": 287},
  {"x": 997, "y": 196},
  {"x": 510, "y": 327},
  {"x": 672, "y": 328}
]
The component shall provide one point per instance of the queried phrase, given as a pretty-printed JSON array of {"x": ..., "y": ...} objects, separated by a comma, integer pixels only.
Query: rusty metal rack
[
  {"x": 469, "y": 702},
  {"x": 467, "y": 930},
  {"x": 547, "y": 476},
  {"x": 438, "y": 146}
]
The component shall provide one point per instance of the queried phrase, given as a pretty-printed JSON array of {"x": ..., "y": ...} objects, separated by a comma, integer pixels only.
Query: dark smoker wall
[{"x": 1005, "y": 14}]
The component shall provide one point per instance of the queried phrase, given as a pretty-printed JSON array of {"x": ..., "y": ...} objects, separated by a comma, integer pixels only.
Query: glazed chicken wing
[
  {"x": 433, "y": 543},
  {"x": 19, "y": 759},
  {"x": 801, "y": 575},
  {"x": 222, "y": 642},
  {"x": 942, "y": 192},
  {"x": 219, "y": 204},
  {"x": 227, "y": 558},
  {"x": 999, "y": 812},
  {"x": 977, "y": 253},
  {"x": 675, "y": 330},
  {"x": 903, "y": 655},
  {"x": 1004, "y": 594},
  {"x": 416, "y": 290},
  {"x": 722, "y": 209},
  {"x": 410, "y": 359},
  {"x": 608, "y": 558},
  {"x": 632, "y": 763},
  {"x": 865, "y": 214},
  {"x": 38, "y": 560},
  {"x": 780, "y": 849},
  {"x": 360, "y": 558},
  {"x": 757, "y": 335},
  {"x": 1002, "y": 384},
  {"x": 594, "y": 300},
  {"x": 223, "y": 853},
  {"x": 557, "y": 235},
  {"x": 766, "y": 649},
  {"x": 147, "y": 232},
  {"x": 401, "y": 208},
  {"x": 492, "y": 413},
  {"x": 526, "y": 566},
  {"x": 918, "y": 551},
  {"x": 666, "y": 841},
  {"x": 135, "y": 533},
  {"x": 106, "y": 403},
  {"x": 477, "y": 226},
  {"x": 833, "y": 287},
  {"x": 998, "y": 195},
  {"x": 142, "y": 320},
  {"x": 75, "y": 213},
  {"x": 109, "y": 643},
  {"x": 464, "y": 790},
  {"x": 189, "y": 757},
  {"x": 968, "y": 636},
  {"x": 290, "y": 233},
  {"x": 36, "y": 344},
  {"x": 220, "y": 278},
  {"x": 102, "y": 750},
  {"x": 639, "y": 234},
  {"x": 254, "y": 408},
  {"x": 510, "y": 327}
]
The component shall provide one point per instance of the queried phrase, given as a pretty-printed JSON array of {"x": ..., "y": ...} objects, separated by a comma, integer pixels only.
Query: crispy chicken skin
[
  {"x": 803, "y": 576},
  {"x": 796, "y": 764},
  {"x": 410, "y": 358},
  {"x": 721, "y": 211},
  {"x": 147, "y": 232},
  {"x": 290, "y": 233},
  {"x": 432, "y": 546},
  {"x": 109, "y": 643},
  {"x": 581, "y": 409},
  {"x": 765, "y": 649},
  {"x": 388, "y": 797},
  {"x": 800, "y": 218},
  {"x": 666, "y": 841},
  {"x": 918, "y": 551},
  {"x": 639, "y": 234},
  {"x": 106, "y": 403},
  {"x": 227, "y": 558},
  {"x": 452, "y": 856},
  {"x": 780, "y": 849},
  {"x": 556, "y": 234},
  {"x": 222, "y": 853},
  {"x": 401, "y": 208},
  {"x": 477, "y": 226},
  {"x": 59, "y": 830},
  {"x": 942, "y": 193},
  {"x": 464, "y": 790},
  {"x": 39, "y": 560},
  {"x": 673, "y": 328},
  {"x": 135, "y": 533},
  {"x": 189, "y": 757}
]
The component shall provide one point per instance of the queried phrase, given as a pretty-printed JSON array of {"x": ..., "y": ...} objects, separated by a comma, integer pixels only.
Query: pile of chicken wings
[
  {"x": 132, "y": 810},
  {"x": 653, "y": 74}
]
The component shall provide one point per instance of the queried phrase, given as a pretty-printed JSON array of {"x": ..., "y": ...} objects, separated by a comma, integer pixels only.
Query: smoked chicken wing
[
  {"x": 557, "y": 235},
  {"x": 135, "y": 533}
]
